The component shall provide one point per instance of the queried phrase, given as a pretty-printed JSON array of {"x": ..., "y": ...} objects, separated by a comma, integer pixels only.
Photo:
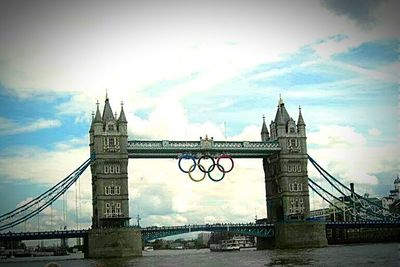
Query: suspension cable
[
  {"x": 46, "y": 193},
  {"x": 322, "y": 171},
  {"x": 40, "y": 208}
]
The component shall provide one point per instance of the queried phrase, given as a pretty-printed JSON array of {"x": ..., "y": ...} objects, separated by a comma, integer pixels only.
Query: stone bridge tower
[
  {"x": 108, "y": 141},
  {"x": 286, "y": 179},
  {"x": 109, "y": 236},
  {"x": 286, "y": 185}
]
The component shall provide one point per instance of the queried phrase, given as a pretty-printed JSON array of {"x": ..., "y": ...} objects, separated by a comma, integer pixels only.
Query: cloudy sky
[{"x": 183, "y": 70}]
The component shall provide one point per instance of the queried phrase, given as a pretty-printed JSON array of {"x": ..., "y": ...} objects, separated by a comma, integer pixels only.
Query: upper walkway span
[{"x": 173, "y": 149}]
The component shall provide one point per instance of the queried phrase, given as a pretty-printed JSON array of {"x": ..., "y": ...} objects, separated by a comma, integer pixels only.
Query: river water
[{"x": 386, "y": 255}]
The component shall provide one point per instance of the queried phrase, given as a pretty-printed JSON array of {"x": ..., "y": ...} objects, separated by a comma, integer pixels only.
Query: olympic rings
[{"x": 203, "y": 169}]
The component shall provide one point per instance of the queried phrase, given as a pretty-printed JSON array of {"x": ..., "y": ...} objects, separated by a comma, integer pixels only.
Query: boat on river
[{"x": 226, "y": 245}]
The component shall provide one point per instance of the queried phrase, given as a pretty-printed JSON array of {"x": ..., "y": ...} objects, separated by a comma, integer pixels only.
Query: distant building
[
  {"x": 203, "y": 238},
  {"x": 392, "y": 202},
  {"x": 395, "y": 194}
]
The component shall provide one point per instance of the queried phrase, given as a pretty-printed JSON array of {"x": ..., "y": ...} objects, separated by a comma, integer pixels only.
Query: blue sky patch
[{"x": 371, "y": 55}]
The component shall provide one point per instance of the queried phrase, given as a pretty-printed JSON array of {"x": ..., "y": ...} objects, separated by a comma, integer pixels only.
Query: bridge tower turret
[
  {"x": 108, "y": 141},
  {"x": 264, "y": 131},
  {"x": 286, "y": 177}
]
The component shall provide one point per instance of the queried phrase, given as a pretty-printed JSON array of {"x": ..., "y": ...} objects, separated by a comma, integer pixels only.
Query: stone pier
[
  {"x": 295, "y": 235},
  {"x": 114, "y": 243}
]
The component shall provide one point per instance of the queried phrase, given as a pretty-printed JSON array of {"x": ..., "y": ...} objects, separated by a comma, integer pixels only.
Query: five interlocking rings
[{"x": 204, "y": 170}]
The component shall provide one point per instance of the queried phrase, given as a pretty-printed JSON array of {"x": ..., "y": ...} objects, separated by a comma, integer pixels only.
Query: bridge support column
[
  {"x": 114, "y": 243},
  {"x": 295, "y": 235}
]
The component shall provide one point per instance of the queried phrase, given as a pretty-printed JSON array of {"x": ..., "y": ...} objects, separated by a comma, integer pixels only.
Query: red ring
[{"x": 224, "y": 156}]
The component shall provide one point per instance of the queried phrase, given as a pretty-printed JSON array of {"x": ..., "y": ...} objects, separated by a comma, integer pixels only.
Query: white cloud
[
  {"x": 344, "y": 153},
  {"x": 8, "y": 127},
  {"x": 336, "y": 136},
  {"x": 374, "y": 132}
]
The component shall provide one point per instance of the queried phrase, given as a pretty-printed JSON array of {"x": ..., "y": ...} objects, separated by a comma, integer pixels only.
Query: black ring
[{"x": 202, "y": 168}]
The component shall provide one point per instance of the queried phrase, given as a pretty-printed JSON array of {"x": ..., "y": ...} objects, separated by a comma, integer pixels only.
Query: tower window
[
  {"x": 112, "y": 190},
  {"x": 118, "y": 209},
  {"x": 295, "y": 187},
  {"x": 111, "y": 127},
  {"x": 111, "y": 141},
  {"x": 112, "y": 168},
  {"x": 293, "y": 142}
]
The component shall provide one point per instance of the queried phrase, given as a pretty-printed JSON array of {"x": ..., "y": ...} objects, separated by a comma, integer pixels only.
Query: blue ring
[{"x": 187, "y": 156}]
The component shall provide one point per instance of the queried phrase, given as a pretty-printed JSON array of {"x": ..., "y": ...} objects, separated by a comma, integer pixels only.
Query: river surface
[{"x": 360, "y": 255}]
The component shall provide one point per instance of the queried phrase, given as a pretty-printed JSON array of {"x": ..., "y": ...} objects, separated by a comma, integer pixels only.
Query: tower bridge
[{"x": 283, "y": 150}]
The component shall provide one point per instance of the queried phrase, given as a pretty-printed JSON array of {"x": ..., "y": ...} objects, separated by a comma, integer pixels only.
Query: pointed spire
[
  {"x": 264, "y": 128},
  {"x": 280, "y": 102},
  {"x": 91, "y": 125},
  {"x": 107, "y": 111},
  {"x": 282, "y": 116},
  {"x": 300, "y": 120},
  {"x": 122, "y": 117},
  {"x": 97, "y": 118}
]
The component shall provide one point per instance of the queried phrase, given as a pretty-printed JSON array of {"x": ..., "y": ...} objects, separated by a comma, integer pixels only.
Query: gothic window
[
  {"x": 112, "y": 209},
  {"x": 295, "y": 187},
  {"x": 111, "y": 127},
  {"x": 298, "y": 168},
  {"x": 293, "y": 142},
  {"x": 291, "y": 130},
  {"x": 112, "y": 168},
  {"x": 293, "y": 167},
  {"x": 111, "y": 141},
  {"x": 112, "y": 190},
  {"x": 108, "y": 211},
  {"x": 296, "y": 205},
  {"x": 117, "y": 169},
  {"x": 118, "y": 209}
]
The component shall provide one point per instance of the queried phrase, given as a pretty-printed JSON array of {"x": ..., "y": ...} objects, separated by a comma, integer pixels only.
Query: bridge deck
[
  {"x": 172, "y": 149},
  {"x": 149, "y": 233}
]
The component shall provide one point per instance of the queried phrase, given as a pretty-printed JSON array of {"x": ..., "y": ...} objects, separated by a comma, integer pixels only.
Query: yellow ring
[{"x": 194, "y": 180}]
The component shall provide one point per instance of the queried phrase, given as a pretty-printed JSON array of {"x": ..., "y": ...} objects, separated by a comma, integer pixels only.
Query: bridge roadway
[
  {"x": 153, "y": 232},
  {"x": 173, "y": 149}
]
